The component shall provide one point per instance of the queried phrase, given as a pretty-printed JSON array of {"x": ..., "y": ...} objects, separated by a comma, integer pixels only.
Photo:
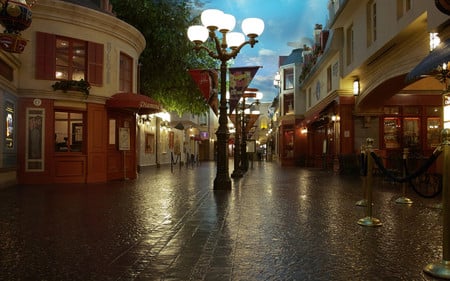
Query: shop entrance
[{"x": 121, "y": 160}]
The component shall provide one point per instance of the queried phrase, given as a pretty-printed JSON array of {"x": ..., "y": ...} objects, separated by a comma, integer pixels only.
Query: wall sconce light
[
  {"x": 356, "y": 87},
  {"x": 304, "y": 130}
]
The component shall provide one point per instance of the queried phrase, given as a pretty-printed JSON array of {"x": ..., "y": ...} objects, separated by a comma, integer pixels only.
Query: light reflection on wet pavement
[{"x": 277, "y": 223}]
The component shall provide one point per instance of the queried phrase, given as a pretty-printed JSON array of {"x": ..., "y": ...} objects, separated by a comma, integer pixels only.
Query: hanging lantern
[{"x": 15, "y": 16}]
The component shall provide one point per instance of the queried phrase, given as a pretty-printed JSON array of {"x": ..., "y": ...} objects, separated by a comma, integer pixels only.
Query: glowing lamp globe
[
  {"x": 197, "y": 33},
  {"x": 235, "y": 39},
  {"x": 212, "y": 18},
  {"x": 227, "y": 23},
  {"x": 252, "y": 27}
]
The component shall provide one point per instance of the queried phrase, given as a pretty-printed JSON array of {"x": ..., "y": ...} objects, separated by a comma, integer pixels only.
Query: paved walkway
[{"x": 277, "y": 223}]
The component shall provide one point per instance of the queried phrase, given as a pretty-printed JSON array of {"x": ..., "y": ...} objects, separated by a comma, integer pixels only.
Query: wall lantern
[{"x": 356, "y": 87}]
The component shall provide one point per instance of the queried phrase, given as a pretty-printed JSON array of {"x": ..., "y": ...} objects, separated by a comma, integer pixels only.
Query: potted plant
[{"x": 72, "y": 85}]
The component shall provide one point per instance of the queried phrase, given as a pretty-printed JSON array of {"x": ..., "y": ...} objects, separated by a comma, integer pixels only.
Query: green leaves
[{"x": 168, "y": 53}]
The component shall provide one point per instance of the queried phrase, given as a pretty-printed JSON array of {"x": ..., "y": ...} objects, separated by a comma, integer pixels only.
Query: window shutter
[
  {"x": 45, "y": 56},
  {"x": 95, "y": 63}
]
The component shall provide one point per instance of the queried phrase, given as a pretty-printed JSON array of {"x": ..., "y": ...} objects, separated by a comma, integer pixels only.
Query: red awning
[{"x": 137, "y": 103}]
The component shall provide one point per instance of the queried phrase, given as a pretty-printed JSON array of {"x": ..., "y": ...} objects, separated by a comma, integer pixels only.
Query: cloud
[{"x": 267, "y": 52}]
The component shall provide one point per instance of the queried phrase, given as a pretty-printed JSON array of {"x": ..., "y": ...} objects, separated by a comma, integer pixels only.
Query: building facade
[
  {"x": 356, "y": 87},
  {"x": 71, "y": 97}
]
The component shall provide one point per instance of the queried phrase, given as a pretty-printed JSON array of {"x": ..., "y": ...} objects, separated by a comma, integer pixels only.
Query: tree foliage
[{"x": 168, "y": 53}]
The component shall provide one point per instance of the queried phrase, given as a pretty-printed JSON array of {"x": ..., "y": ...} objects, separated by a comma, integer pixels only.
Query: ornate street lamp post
[{"x": 232, "y": 42}]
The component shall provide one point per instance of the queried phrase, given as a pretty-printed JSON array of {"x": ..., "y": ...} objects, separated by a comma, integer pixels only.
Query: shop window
[
  {"x": 391, "y": 136},
  {"x": 69, "y": 131},
  {"x": 434, "y": 129},
  {"x": 64, "y": 58},
  {"x": 411, "y": 132},
  {"x": 126, "y": 73}
]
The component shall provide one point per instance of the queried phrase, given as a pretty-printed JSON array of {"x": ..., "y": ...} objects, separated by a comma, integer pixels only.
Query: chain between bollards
[{"x": 369, "y": 220}]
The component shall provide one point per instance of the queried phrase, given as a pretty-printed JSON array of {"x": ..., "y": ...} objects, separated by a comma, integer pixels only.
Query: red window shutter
[
  {"x": 95, "y": 63},
  {"x": 45, "y": 56}
]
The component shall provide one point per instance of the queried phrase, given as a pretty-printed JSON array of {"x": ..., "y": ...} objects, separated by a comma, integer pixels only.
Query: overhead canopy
[
  {"x": 431, "y": 62},
  {"x": 137, "y": 103}
]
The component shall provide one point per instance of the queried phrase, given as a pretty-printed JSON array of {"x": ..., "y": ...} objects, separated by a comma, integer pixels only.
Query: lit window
[
  {"x": 69, "y": 132},
  {"x": 70, "y": 59}
]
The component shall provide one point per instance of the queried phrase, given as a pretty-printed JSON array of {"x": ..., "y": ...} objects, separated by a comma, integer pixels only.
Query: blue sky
[{"x": 285, "y": 21}]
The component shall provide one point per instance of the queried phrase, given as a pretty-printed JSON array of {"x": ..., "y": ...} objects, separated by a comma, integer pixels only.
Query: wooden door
[{"x": 121, "y": 160}]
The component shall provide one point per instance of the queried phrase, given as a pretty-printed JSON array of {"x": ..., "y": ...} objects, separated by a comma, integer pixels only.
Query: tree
[{"x": 168, "y": 53}]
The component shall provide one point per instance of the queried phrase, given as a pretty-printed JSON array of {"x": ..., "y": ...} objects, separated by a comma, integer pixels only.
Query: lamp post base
[
  {"x": 361, "y": 203},
  {"x": 222, "y": 183},
  {"x": 369, "y": 221},
  {"x": 237, "y": 174},
  {"x": 439, "y": 270},
  {"x": 403, "y": 200}
]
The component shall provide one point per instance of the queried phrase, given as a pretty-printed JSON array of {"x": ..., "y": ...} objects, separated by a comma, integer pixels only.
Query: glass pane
[
  {"x": 77, "y": 136},
  {"x": 434, "y": 111},
  {"x": 61, "y": 136},
  {"x": 288, "y": 79},
  {"x": 391, "y": 129},
  {"x": 76, "y": 116},
  {"x": 411, "y": 110},
  {"x": 433, "y": 132},
  {"x": 411, "y": 132},
  {"x": 61, "y": 115},
  {"x": 62, "y": 52},
  {"x": 391, "y": 110},
  {"x": 61, "y": 73}
]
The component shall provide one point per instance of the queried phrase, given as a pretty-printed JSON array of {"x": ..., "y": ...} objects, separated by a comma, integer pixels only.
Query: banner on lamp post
[
  {"x": 240, "y": 78},
  {"x": 207, "y": 82}
]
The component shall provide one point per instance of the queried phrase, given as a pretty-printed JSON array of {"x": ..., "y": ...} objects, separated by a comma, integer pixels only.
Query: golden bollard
[
  {"x": 403, "y": 199},
  {"x": 442, "y": 269},
  {"x": 368, "y": 220},
  {"x": 363, "y": 202}
]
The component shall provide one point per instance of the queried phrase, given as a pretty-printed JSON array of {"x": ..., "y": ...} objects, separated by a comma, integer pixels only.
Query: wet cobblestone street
[{"x": 277, "y": 223}]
